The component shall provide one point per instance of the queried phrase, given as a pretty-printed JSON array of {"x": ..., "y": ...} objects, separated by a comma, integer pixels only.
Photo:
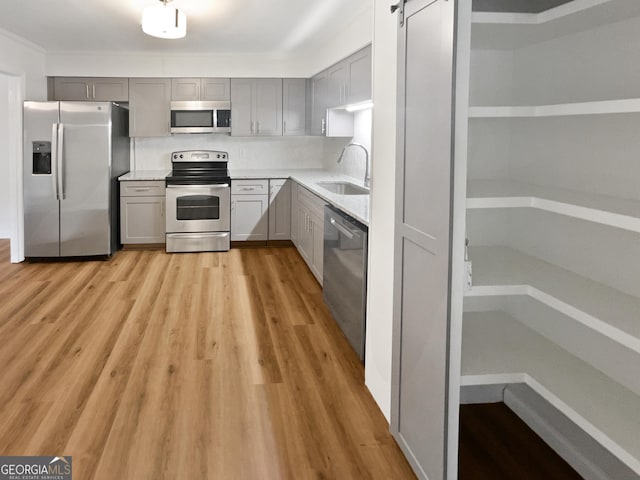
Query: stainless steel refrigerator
[{"x": 73, "y": 154}]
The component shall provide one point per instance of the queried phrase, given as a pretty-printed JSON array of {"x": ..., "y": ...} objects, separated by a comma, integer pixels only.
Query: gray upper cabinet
[
  {"x": 91, "y": 88},
  {"x": 149, "y": 107},
  {"x": 256, "y": 105},
  {"x": 318, "y": 90},
  {"x": 350, "y": 79},
  {"x": 294, "y": 106},
  {"x": 359, "y": 76},
  {"x": 216, "y": 89},
  {"x": 205, "y": 89},
  {"x": 242, "y": 99},
  {"x": 338, "y": 77}
]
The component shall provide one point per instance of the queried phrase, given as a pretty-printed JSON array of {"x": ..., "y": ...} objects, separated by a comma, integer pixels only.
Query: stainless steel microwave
[{"x": 200, "y": 117}]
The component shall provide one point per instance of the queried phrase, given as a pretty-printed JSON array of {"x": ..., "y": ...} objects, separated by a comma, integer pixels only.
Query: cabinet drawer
[
  {"x": 250, "y": 187},
  {"x": 311, "y": 201},
  {"x": 142, "y": 188}
]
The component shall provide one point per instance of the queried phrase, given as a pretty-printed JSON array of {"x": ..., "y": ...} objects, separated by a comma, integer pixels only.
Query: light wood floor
[{"x": 203, "y": 366}]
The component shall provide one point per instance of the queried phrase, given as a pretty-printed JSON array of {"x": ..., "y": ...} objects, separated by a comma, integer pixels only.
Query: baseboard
[
  {"x": 573, "y": 444},
  {"x": 471, "y": 394},
  {"x": 261, "y": 243}
]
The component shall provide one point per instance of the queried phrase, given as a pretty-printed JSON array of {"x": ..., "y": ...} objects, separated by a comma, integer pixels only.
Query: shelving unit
[
  {"x": 607, "y": 107},
  {"x": 497, "y": 349},
  {"x": 606, "y": 210},
  {"x": 501, "y": 271},
  {"x": 497, "y": 30},
  {"x": 553, "y": 119}
]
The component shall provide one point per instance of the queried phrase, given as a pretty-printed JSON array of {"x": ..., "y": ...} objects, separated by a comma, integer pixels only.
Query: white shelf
[
  {"x": 604, "y": 107},
  {"x": 610, "y": 211},
  {"x": 496, "y": 30},
  {"x": 498, "y": 349},
  {"x": 502, "y": 271}
]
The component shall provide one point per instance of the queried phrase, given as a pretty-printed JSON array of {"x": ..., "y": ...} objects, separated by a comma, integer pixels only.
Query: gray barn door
[{"x": 422, "y": 234}]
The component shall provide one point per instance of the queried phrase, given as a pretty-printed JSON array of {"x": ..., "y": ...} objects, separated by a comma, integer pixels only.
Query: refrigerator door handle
[
  {"x": 60, "y": 159},
  {"x": 54, "y": 159}
]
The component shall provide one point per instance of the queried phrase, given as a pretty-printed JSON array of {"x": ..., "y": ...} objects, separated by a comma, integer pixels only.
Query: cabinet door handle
[
  {"x": 94, "y": 91},
  {"x": 323, "y": 128},
  {"x": 162, "y": 208},
  {"x": 258, "y": 127},
  {"x": 87, "y": 86},
  {"x": 142, "y": 189},
  {"x": 284, "y": 126},
  {"x": 252, "y": 128}
]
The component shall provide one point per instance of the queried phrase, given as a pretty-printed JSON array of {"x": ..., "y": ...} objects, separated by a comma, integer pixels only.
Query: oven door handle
[{"x": 224, "y": 185}]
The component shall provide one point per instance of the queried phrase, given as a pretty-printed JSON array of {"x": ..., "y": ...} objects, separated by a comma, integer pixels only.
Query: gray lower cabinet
[
  {"x": 201, "y": 89},
  {"x": 294, "y": 108},
  {"x": 249, "y": 210},
  {"x": 256, "y": 106},
  {"x": 308, "y": 221},
  {"x": 293, "y": 202},
  {"x": 99, "y": 89},
  {"x": 279, "y": 209},
  {"x": 149, "y": 107},
  {"x": 142, "y": 212}
]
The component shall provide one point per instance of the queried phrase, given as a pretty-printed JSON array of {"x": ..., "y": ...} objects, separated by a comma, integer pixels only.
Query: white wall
[
  {"x": 5, "y": 180},
  {"x": 22, "y": 58},
  {"x": 22, "y": 72},
  {"x": 381, "y": 227}
]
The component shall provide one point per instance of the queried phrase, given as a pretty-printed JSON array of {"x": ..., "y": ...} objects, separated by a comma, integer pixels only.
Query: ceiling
[{"x": 273, "y": 27}]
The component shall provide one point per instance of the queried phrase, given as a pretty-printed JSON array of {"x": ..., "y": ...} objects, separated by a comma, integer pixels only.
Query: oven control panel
[{"x": 199, "y": 156}]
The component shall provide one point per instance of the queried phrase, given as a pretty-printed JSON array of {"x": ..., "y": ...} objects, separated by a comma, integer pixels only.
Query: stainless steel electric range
[{"x": 198, "y": 198}]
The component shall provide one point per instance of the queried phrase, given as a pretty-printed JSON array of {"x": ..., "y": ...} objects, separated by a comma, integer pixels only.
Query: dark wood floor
[
  {"x": 205, "y": 366},
  {"x": 496, "y": 445}
]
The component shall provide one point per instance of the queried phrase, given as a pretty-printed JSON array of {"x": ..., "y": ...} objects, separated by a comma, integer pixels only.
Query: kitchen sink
[{"x": 344, "y": 188}]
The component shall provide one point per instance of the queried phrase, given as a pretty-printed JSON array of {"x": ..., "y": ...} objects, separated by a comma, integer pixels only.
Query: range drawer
[
  {"x": 250, "y": 187},
  {"x": 145, "y": 188}
]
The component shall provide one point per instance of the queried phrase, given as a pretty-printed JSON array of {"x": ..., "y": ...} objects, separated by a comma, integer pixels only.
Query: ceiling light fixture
[{"x": 164, "y": 21}]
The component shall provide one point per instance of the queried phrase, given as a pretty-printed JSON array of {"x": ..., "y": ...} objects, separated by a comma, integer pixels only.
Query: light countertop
[
  {"x": 355, "y": 205},
  {"x": 144, "y": 175}
]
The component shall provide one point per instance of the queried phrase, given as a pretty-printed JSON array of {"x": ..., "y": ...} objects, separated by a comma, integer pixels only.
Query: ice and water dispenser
[{"x": 42, "y": 158}]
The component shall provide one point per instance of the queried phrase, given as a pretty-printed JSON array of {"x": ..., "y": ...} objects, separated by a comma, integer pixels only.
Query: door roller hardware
[{"x": 399, "y": 6}]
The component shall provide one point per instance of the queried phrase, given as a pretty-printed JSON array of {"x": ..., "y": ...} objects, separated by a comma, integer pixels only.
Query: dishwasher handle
[{"x": 348, "y": 233}]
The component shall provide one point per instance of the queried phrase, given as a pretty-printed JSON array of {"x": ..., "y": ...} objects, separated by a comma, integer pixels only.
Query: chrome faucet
[{"x": 367, "y": 178}]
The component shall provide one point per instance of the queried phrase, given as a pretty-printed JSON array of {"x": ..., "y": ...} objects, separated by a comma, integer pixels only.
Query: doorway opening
[{"x": 11, "y": 207}]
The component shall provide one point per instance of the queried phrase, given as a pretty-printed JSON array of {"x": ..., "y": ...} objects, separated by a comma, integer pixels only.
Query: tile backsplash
[{"x": 244, "y": 152}]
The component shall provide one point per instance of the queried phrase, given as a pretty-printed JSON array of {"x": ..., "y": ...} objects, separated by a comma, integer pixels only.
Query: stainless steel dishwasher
[{"x": 344, "y": 286}]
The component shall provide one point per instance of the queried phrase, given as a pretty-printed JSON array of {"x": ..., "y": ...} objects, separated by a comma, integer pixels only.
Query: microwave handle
[{"x": 215, "y": 118}]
